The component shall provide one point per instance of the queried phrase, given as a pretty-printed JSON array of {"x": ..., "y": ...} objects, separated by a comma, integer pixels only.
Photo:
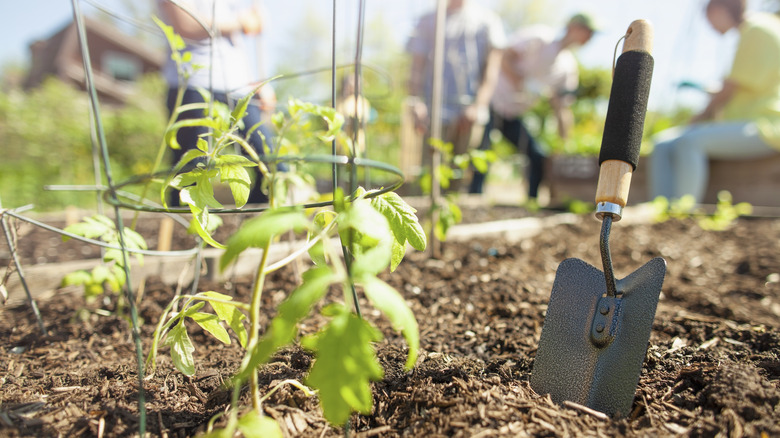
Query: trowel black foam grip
[{"x": 627, "y": 107}]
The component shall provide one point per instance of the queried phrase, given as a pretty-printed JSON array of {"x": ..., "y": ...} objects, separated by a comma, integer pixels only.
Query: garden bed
[{"x": 712, "y": 366}]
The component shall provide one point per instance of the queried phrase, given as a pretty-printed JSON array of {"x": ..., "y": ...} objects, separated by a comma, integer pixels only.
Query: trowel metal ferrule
[{"x": 609, "y": 208}]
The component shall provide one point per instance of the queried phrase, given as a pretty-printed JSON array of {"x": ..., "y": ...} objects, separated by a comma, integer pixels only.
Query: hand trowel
[{"x": 596, "y": 329}]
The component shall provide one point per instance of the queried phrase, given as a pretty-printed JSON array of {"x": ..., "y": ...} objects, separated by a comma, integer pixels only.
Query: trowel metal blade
[{"x": 568, "y": 364}]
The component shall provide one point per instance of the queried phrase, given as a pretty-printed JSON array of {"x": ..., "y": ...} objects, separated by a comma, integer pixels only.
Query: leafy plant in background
[
  {"x": 46, "y": 140},
  {"x": 726, "y": 212},
  {"x": 373, "y": 230},
  {"x": 109, "y": 276},
  {"x": 685, "y": 207},
  {"x": 452, "y": 166}
]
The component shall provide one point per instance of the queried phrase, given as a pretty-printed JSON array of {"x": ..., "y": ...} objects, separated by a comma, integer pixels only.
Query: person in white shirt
[
  {"x": 228, "y": 77},
  {"x": 474, "y": 38},
  {"x": 535, "y": 65}
]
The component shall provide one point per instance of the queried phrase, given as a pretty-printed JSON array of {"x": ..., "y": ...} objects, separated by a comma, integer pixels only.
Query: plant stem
[{"x": 254, "y": 326}]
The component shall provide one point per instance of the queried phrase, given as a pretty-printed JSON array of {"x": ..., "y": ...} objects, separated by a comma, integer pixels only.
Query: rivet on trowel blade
[{"x": 605, "y": 323}]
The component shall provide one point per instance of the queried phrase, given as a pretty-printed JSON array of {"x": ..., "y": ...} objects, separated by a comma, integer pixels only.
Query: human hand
[
  {"x": 420, "y": 115},
  {"x": 251, "y": 21},
  {"x": 476, "y": 113}
]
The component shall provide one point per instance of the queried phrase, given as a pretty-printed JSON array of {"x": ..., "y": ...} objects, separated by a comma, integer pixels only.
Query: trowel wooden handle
[{"x": 626, "y": 115}]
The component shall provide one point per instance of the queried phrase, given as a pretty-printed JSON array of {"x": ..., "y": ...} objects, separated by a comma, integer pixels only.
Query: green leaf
[
  {"x": 92, "y": 289},
  {"x": 200, "y": 195},
  {"x": 200, "y": 224},
  {"x": 240, "y": 109},
  {"x": 230, "y": 314},
  {"x": 404, "y": 224},
  {"x": 76, "y": 278},
  {"x": 345, "y": 365},
  {"x": 232, "y": 170},
  {"x": 133, "y": 240},
  {"x": 258, "y": 232},
  {"x": 319, "y": 223},
  {"x": 385, "y": 298},
  {"x": 93, "y": 227},
  {"x": 372, "y": 242},
  {"x": 181, "y": 349},
  {"x": 116, "y": 280},
  {"x": 170, "y": 134},
  {"x": 211, "y": 324},
  {"x": 449, "y": 215},
  {"x": 255, "y": 425},
  {"x": 100, "y": 273}
]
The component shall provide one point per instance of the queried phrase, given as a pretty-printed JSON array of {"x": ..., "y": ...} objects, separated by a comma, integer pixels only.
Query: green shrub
[{"x": 46, "y": 141}]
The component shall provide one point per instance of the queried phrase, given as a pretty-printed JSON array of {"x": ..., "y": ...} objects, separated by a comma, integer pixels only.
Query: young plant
[
  {"x": 448, "y": 213},
  {"x": 373, "y": 229},
  {"x": 725, "y": 211},
  {"x": 109, "y": 276}
]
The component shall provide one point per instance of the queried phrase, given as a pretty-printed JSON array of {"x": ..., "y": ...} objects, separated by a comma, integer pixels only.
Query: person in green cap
[{"x": 537, "y": 63}]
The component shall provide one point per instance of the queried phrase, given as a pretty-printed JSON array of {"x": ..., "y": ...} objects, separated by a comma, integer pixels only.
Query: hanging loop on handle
[{"x": 625, "y": 120}]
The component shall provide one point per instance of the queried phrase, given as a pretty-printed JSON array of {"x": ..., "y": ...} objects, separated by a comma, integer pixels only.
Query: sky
[{"x": 685, "y": 47}]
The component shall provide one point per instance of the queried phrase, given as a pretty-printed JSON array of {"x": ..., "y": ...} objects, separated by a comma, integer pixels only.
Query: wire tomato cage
[{"x": 117, "y": 194}]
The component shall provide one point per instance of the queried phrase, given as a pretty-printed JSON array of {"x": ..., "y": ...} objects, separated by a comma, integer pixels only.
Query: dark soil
[{"x": 711, "y": 369}]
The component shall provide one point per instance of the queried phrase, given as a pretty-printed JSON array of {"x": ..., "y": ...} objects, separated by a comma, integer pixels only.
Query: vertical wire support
[
  {"x": 212, "y": 30},
  {"x": 334, "y": 168},
  {"x": 344, "y": 249},
  {"x": 12, "y": 247},
  {"x": 359, "y": 119},
  {"x": 90, "y": 86},
  {"x": 435, "y": 114}
]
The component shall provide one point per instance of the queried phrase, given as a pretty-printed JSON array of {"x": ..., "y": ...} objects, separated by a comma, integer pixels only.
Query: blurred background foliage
[
  {"x": 46, "y": 140},
  {"x": 45, "y": 132}
]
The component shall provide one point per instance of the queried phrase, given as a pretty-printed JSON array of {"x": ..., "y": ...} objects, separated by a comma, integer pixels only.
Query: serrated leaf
[
  {"x": 404, "y": 224},
  {"x": 398, "y": 253},
  {"x": 372, "y": 244},
  {"x": 258, "y": 232},
  {"x": 181, "y": 349},
  {"x": 232, "y": 170},
  {"x": 345, "y": 365},
  {"x": 211, "y": 324},
  {"x": 390, "y": 302},
  {"x": 201, "y": 195},
  {"x": 230, "y": 314},
  {"x": 255, "y": 425}
]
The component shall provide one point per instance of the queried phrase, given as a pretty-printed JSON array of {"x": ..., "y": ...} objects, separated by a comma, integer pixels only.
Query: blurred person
[
  {"x": 230, "y": 76},
  {"x": 357, "y": 111},
  {"x": 474, "y": 38},
  {"x": 741, "y": 121},
  {"x": 537, "y": 63}
]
